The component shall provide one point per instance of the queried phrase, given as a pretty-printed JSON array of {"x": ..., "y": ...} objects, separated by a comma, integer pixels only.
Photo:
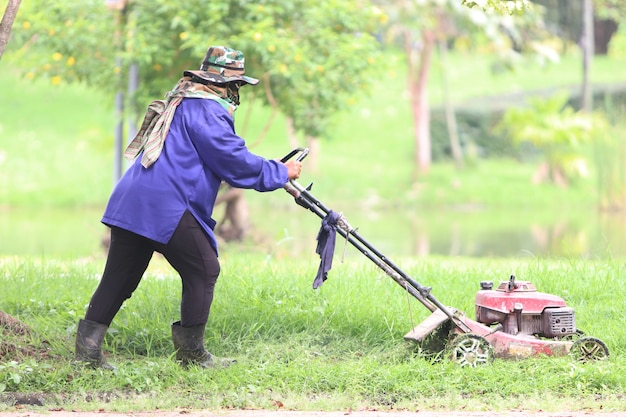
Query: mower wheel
[
  {"x": 471, "y": 350},
  {"x": 571, "y": 337},
  {"x": 588, "y": 349}
]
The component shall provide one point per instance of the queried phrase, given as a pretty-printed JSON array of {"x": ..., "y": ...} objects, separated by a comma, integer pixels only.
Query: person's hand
[{"x": 293, "y": 169}]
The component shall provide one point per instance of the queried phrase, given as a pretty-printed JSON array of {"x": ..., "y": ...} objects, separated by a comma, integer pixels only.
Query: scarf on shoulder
[{"x": 158, "y": 118}]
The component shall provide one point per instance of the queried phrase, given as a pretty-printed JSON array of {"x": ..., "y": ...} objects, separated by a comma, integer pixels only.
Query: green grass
[
  {"x": 57, "y": 144},
  {"x": 471, "y": 87},
  {"x": 337, "y": 348}
]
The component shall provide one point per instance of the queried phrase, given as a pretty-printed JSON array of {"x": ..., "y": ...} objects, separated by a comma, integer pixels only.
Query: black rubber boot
[
  {"x": 189, "y": 346},
  {"x": 89, "y": 337}
]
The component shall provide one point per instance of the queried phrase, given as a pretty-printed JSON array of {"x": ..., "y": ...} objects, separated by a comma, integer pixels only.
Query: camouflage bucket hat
[{"x": 222, "y": 65}]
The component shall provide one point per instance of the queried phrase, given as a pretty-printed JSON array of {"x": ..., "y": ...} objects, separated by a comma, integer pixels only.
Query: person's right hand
[{"x": 293, "y": 169}]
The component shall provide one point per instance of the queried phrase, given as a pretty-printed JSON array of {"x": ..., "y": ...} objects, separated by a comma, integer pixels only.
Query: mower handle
[
  {"x": 304, "y": 198},
  {"x": 292, "y": 187},
  {"x": 302, "y": 151}
]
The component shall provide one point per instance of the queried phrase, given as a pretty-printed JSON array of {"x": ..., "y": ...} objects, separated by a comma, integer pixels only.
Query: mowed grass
[{"x": 338, "y": 348}]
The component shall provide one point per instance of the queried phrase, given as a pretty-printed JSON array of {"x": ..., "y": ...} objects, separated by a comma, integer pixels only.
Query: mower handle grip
[
  {"x": 302, "y": 151},
  {"x": 292, "y": 187}
]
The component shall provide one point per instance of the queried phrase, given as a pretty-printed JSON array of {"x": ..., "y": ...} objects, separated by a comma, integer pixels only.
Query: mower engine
[{"x": 518, "y": 308}]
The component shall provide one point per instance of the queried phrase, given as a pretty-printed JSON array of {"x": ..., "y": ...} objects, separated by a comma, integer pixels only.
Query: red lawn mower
[{"x": 513, "y": 320}]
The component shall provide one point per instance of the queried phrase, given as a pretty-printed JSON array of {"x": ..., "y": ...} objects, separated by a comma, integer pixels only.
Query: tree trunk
[
  {"x": 235, "y": 223},
  {"x": 292, "y": 137},
  {"x": 418, "y": 79},
  {"x": 7, "y": 23},
  {"x": 587, "y": 49},
  {"x": 312, "y": 161},
  {"x": 455, "y": 146}
]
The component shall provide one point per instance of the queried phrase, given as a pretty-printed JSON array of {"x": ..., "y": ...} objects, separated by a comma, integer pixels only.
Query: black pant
[{"x": 188, "y": 251}]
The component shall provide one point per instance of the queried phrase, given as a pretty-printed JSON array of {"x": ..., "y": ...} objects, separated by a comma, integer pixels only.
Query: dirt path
[{"x": 270, "y": 413}]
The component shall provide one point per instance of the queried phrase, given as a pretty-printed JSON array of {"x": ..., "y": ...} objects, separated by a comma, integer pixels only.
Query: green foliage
[
  {"x": 555, "y": 128},
  {"x": 610, "y": 9},
  {"x": 313, "y": 57},
  {"x": 12, "y": 374},
  {"x": 477, "y": 135},
  {"x": 548, "y": 123},
  {"x": 66, "y": 41},
  {"x": 500, "y": 6},
  {"x": 477, "y": 125}
]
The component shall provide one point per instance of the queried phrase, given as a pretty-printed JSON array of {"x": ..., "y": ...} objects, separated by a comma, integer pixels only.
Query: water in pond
[{"x": 78, "y": 233}]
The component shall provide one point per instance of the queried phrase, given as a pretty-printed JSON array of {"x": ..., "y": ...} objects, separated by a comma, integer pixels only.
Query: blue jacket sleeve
[{"x": 212, "y": 132}]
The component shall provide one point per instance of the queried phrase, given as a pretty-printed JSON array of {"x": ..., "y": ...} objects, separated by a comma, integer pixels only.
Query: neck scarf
[{"x": 159, "y": 115}]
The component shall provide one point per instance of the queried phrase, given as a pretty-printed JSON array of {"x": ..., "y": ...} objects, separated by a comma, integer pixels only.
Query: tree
[
  {"x": 586, "y": 44},
  {"x": 5, "y": 30},
  {"x": 565, "y": 19},
  {"x": 313, "y": 57},
  {"x": 66, "y": 42},
  {"x": 591, "y": 25},
  {"x": 419, "y": 26},
  {"x": 7, "y": 23}
]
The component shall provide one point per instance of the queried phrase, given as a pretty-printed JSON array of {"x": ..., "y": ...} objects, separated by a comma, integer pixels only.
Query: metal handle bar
[
  {"x": 302, "y": 151},
  {"x": 305, "y": 199},
  {"x": 292, "y": 187}
]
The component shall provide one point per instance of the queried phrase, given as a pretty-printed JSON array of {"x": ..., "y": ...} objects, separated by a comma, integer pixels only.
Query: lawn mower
[{"x": 513, "y": 320}]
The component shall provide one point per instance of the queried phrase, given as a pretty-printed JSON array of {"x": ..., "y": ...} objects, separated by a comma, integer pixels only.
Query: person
[{"x": 186, "y": 147}]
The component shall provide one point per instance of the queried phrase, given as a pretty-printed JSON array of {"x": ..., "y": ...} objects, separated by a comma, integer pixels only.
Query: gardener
[{"x": 164, "y": 202}]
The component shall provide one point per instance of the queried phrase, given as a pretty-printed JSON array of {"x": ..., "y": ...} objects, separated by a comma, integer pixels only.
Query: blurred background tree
[
  {"x": 6, "y": 24},
  {"x": 313, "y": 57}
]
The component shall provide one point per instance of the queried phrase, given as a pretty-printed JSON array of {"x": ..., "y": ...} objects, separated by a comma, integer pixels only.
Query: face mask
[{"x": 232, "y": 92}]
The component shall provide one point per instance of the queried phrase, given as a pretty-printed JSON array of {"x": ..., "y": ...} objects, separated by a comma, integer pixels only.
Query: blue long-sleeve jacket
[{"x": 201, "y": 150}]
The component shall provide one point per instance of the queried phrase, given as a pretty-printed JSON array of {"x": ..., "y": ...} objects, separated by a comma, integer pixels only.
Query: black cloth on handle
[{"x": 326, "y": 247}]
